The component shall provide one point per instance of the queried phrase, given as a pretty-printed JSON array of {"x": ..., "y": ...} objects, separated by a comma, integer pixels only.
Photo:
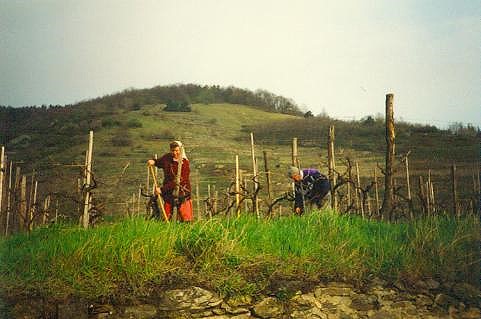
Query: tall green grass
[{"x": 235, "y": 256}]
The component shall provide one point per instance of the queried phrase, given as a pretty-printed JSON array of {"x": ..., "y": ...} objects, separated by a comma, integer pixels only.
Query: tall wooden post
[
  {"x": 33, "y": 208},
  {"x": 454, "y": 191},
  {"x": 210, "y": 200},
  {"x": 246, "y": 205},
  {"x": 216, "y": 196},
  {"x": 148, "y": 181},
  {"x": 428, "y": 192},
  {"x": 268, "y": 177},
  {"x": 376, "y": 189},
  {"x": 56, "y": 210},
  {"x": 350, "y": 200},
  {"x": 30, "y": 197},
  {"x": 237, "y": 186},
  {"x": 408, "y": 185},
  {"x": 88, "y": 179},
  {"x": 332, "y": 165},
  {"x": 156, "y": 170},
  {"x": 23, "y": 203},
  {"x": 255, "y": 179},
  {"x": 294, "y": 151},
  {"x": 9, "y": 196},
  {"x": 387, "y": 204},
  {"x": 46, "y": 207},
  {"x": 422, "y": 195},
  {"x": 16, "y": 218},
  {"x": 197, "y": 196},
  {"x": 139, "y": 193},
  {"x": 358, "y": 190},
  {"x": 431, "y": 192}
]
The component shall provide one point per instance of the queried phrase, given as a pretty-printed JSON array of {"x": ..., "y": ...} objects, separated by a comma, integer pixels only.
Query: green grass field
[{"x": 235, "y": 256}]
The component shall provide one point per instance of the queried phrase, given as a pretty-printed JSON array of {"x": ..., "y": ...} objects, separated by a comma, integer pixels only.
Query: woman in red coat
[{"x": 175, "y": 194}]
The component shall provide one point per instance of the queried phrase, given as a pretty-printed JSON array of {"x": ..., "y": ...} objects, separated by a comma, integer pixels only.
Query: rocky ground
[{"x": 426, "y": 299}]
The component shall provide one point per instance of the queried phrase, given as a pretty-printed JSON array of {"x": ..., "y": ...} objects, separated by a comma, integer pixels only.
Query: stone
[
  {"x": 444, "y": 300},
  {"x": 305, "y": 302},
  {"x": 267, "y": 308},
  {"x": 423, "y": 301},
  {"x": 363, "y": 302},
  {"x": 141, "y": 311},
  {"x": 313, "y": 313},
  {"x": 242, "y": 316},
  {"x": 376, "y": 281},
  {"x": 194, "y": 299},
  {"x": 234, "y": 310},
  {"x": 202, "y": 314},
  {"x": 402, "y": 304},
  {"x": 432, "y": 284},
  {"x": 239, "y": 301},
  {"x": 384, "y": 314},
  {"x": 333, "y": 291}
]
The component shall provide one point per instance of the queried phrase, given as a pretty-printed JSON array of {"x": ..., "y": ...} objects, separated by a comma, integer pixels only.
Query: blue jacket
[{"x": 313, "y": 187}]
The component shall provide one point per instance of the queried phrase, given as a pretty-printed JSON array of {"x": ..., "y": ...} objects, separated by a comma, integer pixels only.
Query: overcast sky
[{"x": 338, "y": 56}]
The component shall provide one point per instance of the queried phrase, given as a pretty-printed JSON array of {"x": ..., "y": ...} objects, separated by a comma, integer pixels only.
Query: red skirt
[{"x": 183, "y": 214}]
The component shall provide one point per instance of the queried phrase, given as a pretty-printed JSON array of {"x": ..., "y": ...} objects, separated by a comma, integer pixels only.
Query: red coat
[{"x": 169, "y": 166}]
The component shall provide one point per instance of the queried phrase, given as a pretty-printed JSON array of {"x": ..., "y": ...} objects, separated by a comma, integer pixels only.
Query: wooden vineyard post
[
  {"x": 376, "y": 189},
  {"x": 428, "y": 193},
  {"x": 237, "y": 186},
  {"x": 33, "y": 207},
  {"x": 216, "y": 196},
  {"x": 16, "y": 218},
  {"x": 30, "y": 197},
  {"x": 9, "y": 197},
  {"x": 197, "y": 196},
  {"x": 421, "y": 194},
  {"x": 350, "y": 199},
  {"x": 148, "y": 181},
  {"x": 23, "y": 203},
  {"x": 139, "y": 193},
  {"x": 387, "y": 204},
  {"x": 368, "y": 205},
  {"x": 209, "y": 201},
  {"x": 56, "y": 210},
  {"x": 453, "y": 189},
  {"x": 408, "y": 184},
  {"x": 428, "y": 198},
  {"x": 268, "y": 177},
  {"x": 294, "y": 151},
  {"x": 358, "y": 190},
  {"x": 156, "y": 171},
  {"x": 85, "y": 216},
  {"x": 255, "y": 179},
  {"x": 332, "y": 165},
  {"x": 246, "y": 205},
  {"x": 431, "y": 193},
  {"x": 46, "y": 207}
]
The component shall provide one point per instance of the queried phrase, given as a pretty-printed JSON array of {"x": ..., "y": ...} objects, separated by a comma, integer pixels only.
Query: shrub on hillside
[
  {"x": 110, "y": 122},
  {"x": 133, "y": 123},
  {"x": 177, "y": 106},
  {"x": 121, "y": 139}
]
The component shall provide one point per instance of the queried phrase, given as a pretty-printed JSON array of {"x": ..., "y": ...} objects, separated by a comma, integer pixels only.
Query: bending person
[{"x": 310, "y": 186}]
